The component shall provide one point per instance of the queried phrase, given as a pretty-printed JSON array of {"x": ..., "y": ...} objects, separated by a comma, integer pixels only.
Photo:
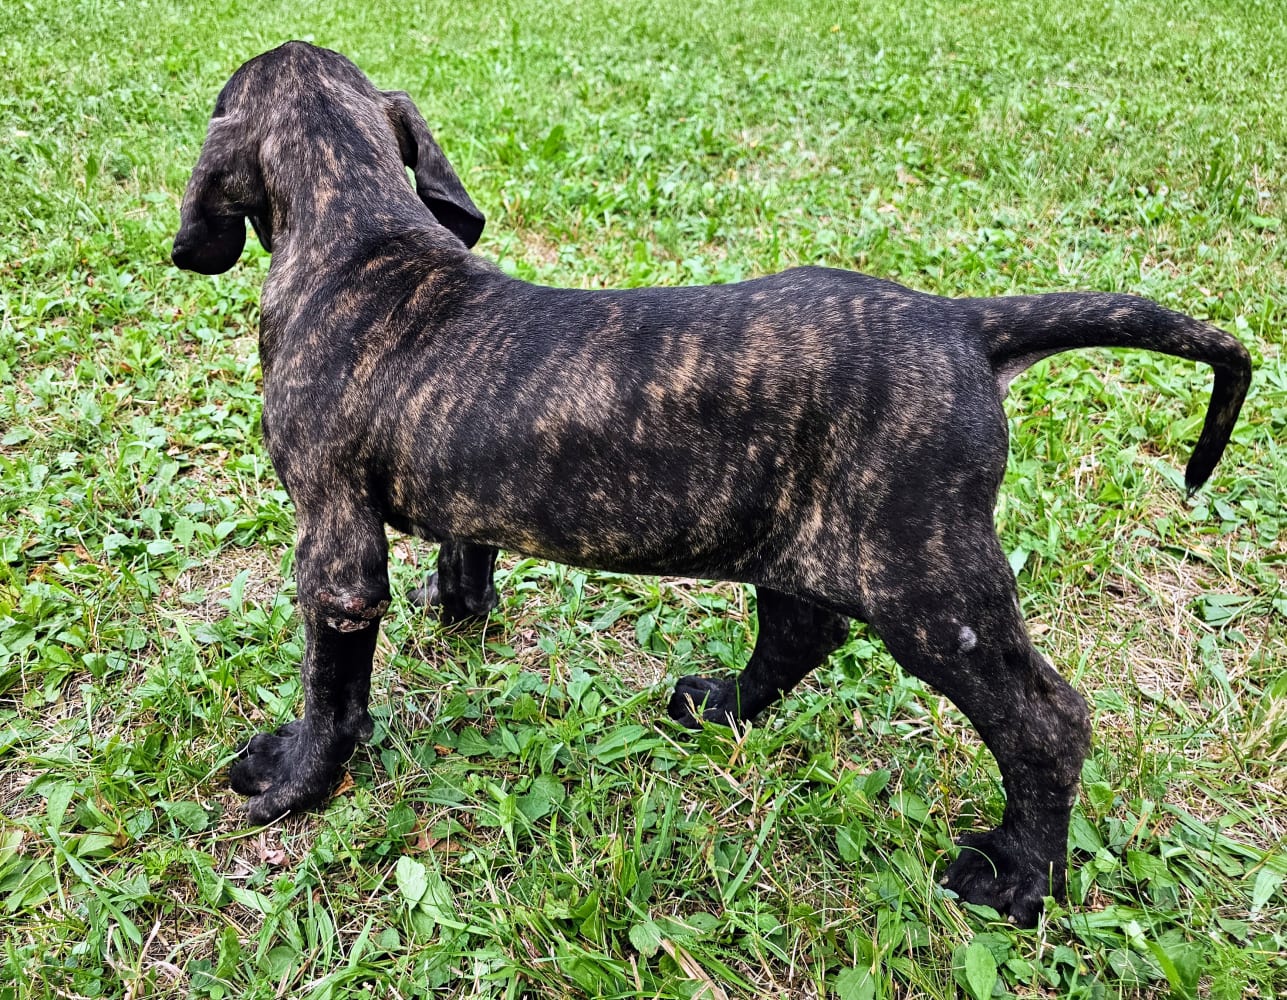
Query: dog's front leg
[
  {"x": 341, "y": 567},
  {"x": 461, "y": 589}
]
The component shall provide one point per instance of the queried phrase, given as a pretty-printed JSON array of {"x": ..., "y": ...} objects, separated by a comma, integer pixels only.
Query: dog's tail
[{"x": 1020, "y": 330}]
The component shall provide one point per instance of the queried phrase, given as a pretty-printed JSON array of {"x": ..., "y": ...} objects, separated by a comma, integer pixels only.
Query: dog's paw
[
  {"x": 427, "y": 597},
  {"x": 991, "y": 871},
  {"x": 453, "y": 609},
  {"x": 703, "y": 699},
  {"x": 286, "y": 771}
]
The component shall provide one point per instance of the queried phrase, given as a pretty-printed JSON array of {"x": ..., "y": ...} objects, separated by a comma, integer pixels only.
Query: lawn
[{"x": 523, "y": 824}]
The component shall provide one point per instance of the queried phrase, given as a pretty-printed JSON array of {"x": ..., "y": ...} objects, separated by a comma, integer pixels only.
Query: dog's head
[{"x": 266, "y": 116}]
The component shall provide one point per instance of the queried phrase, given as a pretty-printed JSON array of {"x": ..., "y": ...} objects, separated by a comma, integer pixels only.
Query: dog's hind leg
[
  {"x": 342, "y": 573},
  {"x": 794, "y": 637},
  {"x": 461, "y": 589},
  {"x": 953, "y": 620}
]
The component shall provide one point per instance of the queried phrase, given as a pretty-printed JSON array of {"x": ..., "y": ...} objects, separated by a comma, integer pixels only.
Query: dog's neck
[
  {"x": 332, "y": 199},
  {"x": 328, "y": 216}
]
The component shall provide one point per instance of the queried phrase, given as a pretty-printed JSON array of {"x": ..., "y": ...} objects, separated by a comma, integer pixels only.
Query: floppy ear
[
  {"x": 225, "y": 188},
  {"x": 436, "y": 182}
]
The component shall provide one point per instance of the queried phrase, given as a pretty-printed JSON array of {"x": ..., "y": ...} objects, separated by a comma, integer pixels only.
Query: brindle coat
[{"x": 833, "y": 439}]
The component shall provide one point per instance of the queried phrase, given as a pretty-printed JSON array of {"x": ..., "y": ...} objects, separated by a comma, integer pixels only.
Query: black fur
[{"x": 835, "y": 440}]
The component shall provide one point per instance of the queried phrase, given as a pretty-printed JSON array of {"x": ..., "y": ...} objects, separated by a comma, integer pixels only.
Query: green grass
[{"x": 520, "y": 826}]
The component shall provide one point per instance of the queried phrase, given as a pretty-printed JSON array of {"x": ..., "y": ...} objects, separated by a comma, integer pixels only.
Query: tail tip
[{"x": 1196, "y": 475}]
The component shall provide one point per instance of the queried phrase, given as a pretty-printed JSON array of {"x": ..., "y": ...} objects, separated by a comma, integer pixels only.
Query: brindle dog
[{"x": 833, "y": 439}]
